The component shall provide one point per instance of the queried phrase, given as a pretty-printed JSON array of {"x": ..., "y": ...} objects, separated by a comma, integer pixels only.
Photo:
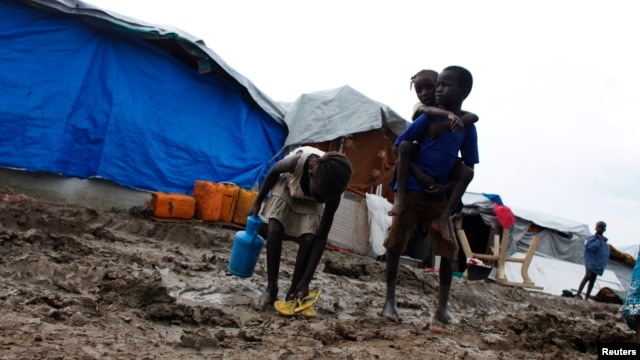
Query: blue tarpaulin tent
[{"x": 89, "y": 93}]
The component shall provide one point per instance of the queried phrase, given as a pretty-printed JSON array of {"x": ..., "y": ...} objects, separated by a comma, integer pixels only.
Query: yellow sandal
[
  {"x": 285, "y": 308},
  {"x": 308, "y": 301},
  {"x": 298, "y": 306},
  {"x": 308, "y": 313}
]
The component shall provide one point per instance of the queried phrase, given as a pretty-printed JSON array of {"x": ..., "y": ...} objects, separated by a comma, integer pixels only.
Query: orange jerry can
[
  {"x": 229, "y": 197},
  {"x": 245, "y": 200},
  {"x": 208, "y": 196},
  {"x": 172, "y": 205}
]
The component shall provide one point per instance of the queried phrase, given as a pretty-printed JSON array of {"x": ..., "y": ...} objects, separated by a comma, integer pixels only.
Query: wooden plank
[
  {"x": 522, "y": 285},
  {"x": 504, "y": 244},
  {"x": 527, "y": 260}
]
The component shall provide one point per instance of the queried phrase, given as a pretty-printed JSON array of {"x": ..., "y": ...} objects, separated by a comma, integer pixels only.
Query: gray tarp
[{"x": 329, "y": 114}]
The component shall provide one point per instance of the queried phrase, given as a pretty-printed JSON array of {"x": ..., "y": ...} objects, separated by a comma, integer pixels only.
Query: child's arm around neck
[{"x": 457, "y": 122}]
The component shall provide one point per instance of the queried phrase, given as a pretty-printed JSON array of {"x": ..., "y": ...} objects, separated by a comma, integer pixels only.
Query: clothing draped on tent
[{"x": 503, "y": 213}]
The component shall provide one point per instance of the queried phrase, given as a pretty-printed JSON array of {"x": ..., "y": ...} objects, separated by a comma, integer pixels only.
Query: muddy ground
[{"x": 77, "y": 283}]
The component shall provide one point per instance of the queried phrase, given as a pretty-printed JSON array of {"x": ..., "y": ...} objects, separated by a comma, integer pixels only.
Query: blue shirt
[
  {"x": 437, "y": 156},
  {"x": 596, "y": 254}
]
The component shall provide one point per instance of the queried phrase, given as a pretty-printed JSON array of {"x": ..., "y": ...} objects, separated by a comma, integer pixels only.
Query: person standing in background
[{"x": 596, "y": 256}]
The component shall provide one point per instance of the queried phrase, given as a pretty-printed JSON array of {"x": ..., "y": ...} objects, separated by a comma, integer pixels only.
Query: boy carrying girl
[
  {"x": 436, "y": 158},
  {"x": 424, "y": 83}
]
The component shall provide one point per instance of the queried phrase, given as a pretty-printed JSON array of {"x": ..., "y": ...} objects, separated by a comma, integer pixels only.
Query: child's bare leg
[
  {"x": 583, "y": 282},
  {"x": 406, "y": 150},
  {"x": 274, "y": 251},
  {"x": 463, "y": 175},
  {"x": 592, "y": 281},
  {"x": 399, "y": 204},
  {"x": 390, "y": 309},
  {"x": 425, "y": 181},
  {"x": 440, "y": 226},
  {"x": 302, "y": 259},
  {"x": 446, "y": 276}
]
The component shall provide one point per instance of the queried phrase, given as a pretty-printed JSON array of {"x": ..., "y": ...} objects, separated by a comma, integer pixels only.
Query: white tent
[
  {"x": 631, "y": 250},
  {"x": 560, "y": 238},
  {"x": 544, "y": 272},
  {"x": 558, "y": 263}
]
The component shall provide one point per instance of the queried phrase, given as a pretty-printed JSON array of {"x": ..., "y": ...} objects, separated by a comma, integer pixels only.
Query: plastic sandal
[
  {"x": 285, "y": 308},
  {"x": 308, "y": 301},
  {"x": 308, "y": 313}
]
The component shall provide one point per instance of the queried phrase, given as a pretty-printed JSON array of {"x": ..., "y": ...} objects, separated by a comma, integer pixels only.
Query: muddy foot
[
  {"x": 442, "y": 227},
  {"x": 297, "y": 293},
  {"x": 446, "y": 317},
  {"x": 390, "y": 311},
  {"x": 263, "y": 302},
  {"x": 397, "y": 209}
]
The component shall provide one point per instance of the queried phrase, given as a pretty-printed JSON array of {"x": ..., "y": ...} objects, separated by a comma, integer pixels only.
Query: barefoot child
[
  {"x": 436, "y": 158},
  {"x": 305, "y": 191},
  {"x": 424, "y": 82},
  {"x": 596, "y": 257}
]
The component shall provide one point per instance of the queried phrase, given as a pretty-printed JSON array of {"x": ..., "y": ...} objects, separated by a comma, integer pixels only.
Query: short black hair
[
  {"x": 465, "y": 79},
  {"x": 423, "y": 73},
  {"x": 335, "y": 170}
]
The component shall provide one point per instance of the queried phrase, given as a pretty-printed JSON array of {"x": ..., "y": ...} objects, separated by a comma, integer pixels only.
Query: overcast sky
[{"x": 555, "y": 82}]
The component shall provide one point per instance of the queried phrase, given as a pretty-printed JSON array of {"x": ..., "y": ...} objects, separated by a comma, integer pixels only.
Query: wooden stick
[
  {"x": 527, "y": 261},
  {"x": 504, "y": 244}
]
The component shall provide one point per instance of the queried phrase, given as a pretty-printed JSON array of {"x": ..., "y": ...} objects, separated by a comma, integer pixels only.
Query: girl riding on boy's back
[
  {"x": 424, "y": 82},
  {"x": 435, "y": 158}
]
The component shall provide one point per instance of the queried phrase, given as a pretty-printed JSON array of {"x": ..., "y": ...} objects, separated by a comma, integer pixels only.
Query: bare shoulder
[{"x": 287, "y": 164}]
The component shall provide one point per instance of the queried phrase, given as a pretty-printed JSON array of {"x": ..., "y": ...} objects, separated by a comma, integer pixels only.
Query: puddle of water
[{"x": 208, "y": 291}]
